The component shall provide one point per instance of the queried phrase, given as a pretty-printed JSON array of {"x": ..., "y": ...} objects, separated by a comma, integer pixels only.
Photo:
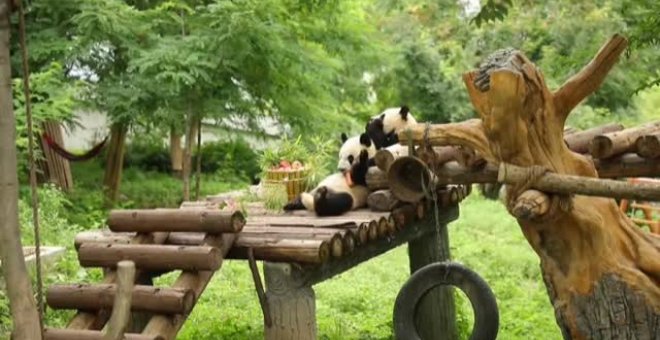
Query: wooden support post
[
  {"x": 121, "y": 309},
  {"x": 436, "y": 313},
  {"x": 292, "y": 304}
]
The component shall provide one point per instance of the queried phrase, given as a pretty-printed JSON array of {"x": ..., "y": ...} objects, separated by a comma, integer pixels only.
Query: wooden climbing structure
[{"x": 299, "y": 250}]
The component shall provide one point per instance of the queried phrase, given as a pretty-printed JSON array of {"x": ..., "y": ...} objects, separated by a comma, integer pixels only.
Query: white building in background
[{"x": 92, "y": 126}]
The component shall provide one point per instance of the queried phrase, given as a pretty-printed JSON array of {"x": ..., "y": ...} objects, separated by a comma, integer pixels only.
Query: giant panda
[
  {"x": 352, "y": 147},
  {"x": 383, "y": 128},
  {"x": 338, "y": 193}
]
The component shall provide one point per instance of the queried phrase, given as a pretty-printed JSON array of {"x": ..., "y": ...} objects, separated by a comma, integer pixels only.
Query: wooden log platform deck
[{"x": 298, "y": 249}]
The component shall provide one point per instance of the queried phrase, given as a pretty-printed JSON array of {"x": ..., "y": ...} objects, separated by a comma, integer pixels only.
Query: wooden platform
[{"x": 299, "y": 250}]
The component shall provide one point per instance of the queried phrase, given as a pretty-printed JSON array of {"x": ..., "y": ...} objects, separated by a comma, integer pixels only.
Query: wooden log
[
  {"x": 150, "y": 257},
  {"x": 94, "y": 297},
  {"x": 281, "y": 250},
  {"x": 376, "y": 179},
  {"x": 349, "y": 240},
  {"x": 382, "y": 200},
  {"x": 579, "y": 185},
  {"x": 102, "y": 236},
  {"x": 648, "y": 146},
  {"x": 332, "y": 236},
  {"x": 616, "y": 143},
  {"x": 362, "y": 233},
  {"x": 383, "y": 227},
  {"x": 77, "y": 334},
  {"x": 169, "y": 220},
  {"x": 383, "y": 158},
  {"x": 121, "y": 309},
  {"x": 579, "y": 141},
  {"x": 372, "y": 229},
  {"x": 628, "y": 165},
  {"x": 86, "y": 320}
]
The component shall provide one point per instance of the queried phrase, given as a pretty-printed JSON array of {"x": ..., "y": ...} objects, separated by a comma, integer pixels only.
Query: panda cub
[
  {"x": 352, "y": 147},
  {"x": 383, "y": 128},
  {"x": 338, "y": 193}
]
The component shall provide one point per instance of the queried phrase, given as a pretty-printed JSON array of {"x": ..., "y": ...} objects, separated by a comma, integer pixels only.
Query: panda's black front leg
[
  {"x": 294, "y": 204},
  {"x": 330, "y": 203}
]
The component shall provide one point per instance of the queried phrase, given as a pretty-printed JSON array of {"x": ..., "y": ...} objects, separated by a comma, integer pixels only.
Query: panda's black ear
[
  {"x": 365, "y": 140},
  {"x": 404, "y": 112},
  {"x": 344, "y": 138}
]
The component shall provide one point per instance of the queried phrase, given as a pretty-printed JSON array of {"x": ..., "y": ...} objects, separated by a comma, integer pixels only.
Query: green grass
[{"x": 354, "y": 305}]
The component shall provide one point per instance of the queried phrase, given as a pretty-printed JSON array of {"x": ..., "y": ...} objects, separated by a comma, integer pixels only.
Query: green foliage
[
  {"x": 493, "y": 10},
  {"x": 234, "y": 157},
  {"x": 52, "y": 98}
]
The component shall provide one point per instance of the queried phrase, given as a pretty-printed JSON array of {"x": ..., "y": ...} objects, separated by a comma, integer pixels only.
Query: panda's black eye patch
[{"x": 351, "y": 159}]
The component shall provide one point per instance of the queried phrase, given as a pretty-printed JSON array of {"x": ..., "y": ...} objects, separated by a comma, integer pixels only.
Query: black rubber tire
[{"x": 486, "y": 314}]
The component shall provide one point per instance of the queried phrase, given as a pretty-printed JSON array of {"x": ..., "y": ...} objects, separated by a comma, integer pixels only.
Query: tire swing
[{"x": 486, "y": 314}]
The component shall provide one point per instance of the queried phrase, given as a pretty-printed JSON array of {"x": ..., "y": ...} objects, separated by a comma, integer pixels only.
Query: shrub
[{"x": 235, "y": 157}]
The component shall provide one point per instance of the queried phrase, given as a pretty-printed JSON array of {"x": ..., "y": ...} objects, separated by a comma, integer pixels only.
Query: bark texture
[
  {"x": 602, "y": 272},
  {"x": 21, "y": 301},
  {"x": 115, "y": 162}
]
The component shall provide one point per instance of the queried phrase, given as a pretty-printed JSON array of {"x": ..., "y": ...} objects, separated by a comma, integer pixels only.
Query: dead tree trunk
[
  {"x": 57, "y": 167},
  {"x": 115, "y": 162},
  {"x": 602, "y": 272},
  {"x": 21, "y": 301}
]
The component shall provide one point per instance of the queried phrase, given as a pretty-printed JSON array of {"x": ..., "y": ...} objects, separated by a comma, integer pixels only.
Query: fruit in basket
[{"x": 296, "y": 165}]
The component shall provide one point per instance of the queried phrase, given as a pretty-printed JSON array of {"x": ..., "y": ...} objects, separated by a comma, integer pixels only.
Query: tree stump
[
  {"x": 602, "y": 272},
  {"x": 292, "y": 304}
]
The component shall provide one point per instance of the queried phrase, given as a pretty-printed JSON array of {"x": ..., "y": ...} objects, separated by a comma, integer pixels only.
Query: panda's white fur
[
  {"x": 353, "y": 147},
  {"x": 337, "y": 182},
  {"x": 392, "y": 121}
]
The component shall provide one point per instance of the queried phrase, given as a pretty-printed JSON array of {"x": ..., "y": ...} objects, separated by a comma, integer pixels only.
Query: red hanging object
[{"x": 93, "y": 152}]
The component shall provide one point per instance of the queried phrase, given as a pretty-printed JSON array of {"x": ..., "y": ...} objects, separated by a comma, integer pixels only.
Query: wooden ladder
[{"x": 167, "y": 307}]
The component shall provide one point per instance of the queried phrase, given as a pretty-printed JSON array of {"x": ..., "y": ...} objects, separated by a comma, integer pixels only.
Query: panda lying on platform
[{"x": 338, "y": 193}]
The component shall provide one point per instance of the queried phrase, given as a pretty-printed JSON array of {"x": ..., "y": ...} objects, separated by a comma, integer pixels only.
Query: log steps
[{"x": 139, "y": 238}]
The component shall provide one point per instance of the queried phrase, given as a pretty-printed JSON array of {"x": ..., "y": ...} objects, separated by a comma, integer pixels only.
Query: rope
[{"x": 33, "y": 171}]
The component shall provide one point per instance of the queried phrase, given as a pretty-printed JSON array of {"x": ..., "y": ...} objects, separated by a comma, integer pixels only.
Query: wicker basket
[{"x": 292, "y": 181}]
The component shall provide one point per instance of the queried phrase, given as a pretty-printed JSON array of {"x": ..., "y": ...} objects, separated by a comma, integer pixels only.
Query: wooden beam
[
  {"x": 86, "y": 320},
  {"x": 95, "y": 297},
  {"x": 579, "y": 185},
  {"x": 376, "y": 248},
  {"x": 579, "y": 141},
  {"x": 150, "y": 257},
  {"x": 281, "y": 250},
  {"x": 77, "y": 334},
  {"x": 616, "y": 143},
  {"x": 121, "y": 309},
  {"x": 169, "y": 220}
]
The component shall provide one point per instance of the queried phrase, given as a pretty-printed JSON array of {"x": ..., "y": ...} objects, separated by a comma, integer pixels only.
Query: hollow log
[
  {"x": 648, "y": 146},
  {"x": 601, "y": 270},
  {"x": 76, "y": 334},
  {"x": 616, "y": 143},
  {"x": 150, "y": 220},
  {"x": 150, "y": 257},
  {"x": 94, "y": 297},
  {"x": 579, "y": 141},
  {"x": 281, "y": 250}
]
